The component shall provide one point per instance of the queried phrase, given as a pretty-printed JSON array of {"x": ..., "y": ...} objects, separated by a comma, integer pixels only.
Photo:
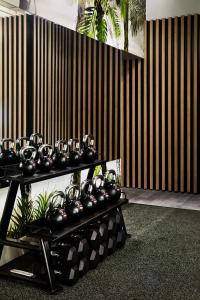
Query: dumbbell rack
[{"x": 40, "y": 232}]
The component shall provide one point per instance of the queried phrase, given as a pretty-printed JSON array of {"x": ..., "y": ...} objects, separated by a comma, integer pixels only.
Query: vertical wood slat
[
  {"x": 53, "y": 84},
  {"x": 38, "y": 75},
  {"x": 89, "y": 54},
  {"x": 105, "y": 101},
  {"x": 169, "y": 124},
  {"x": 1, "y": 76},
  {"x": 49, "y": 116},
  {"x": 5, "y": 76},
  {"x": 84, "y": 86},
  {"x": 63, "y": 83},
  {"x": 10, "y": 83},
  {"x": 176, "y": 156},
  {"x": 133, "y": 126},
  {"x": 189, "y": 104},
  {"x": 182, "y": 109},
  {"x": 43, "y": 81},
  {"x": 25, "y": 76},
  {"x": 127, "y": 103},
  {"x": 34, "y": 72},
  {"x": 163, "y": 107},
  {"x": 116, "y": 103},
  {"x": 79, "y": 85},
  {"x": 45, "y": 73},
  {"x": 139, "y": 125},
  {"x": 151, "y": 108},
  {"x": 195, "y": 87},
  {"x": 122, "y": 119},
  {"x": 15, "y": 135},
  {"x": 60, "y": 86},
  {"x": 145, "y": 106},
  {"x": 69, "y": 83},
  {"x": 56, "y": 82},
  {"x": 100, "y": 101},
  {"x": 94, "y": 96},
  {"x": 111, "y": 104},
  {"x": 19, "y": 74},
  {"x": 157, "y": 109},
  {"x": 74, "y": 84}
]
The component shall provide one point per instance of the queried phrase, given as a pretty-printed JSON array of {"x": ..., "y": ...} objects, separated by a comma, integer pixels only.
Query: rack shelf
[
  {"x": 39, "y": 229},
  {"x": 53, "y": 173}
]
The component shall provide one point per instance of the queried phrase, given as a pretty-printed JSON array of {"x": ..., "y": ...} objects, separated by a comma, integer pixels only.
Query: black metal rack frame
[{"x": 41, "y": 232}]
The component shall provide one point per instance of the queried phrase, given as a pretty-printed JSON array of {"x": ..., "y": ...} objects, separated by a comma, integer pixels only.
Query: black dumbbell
[
  {"x": 111, "y": 224},
  {"x": 112, "y": 244},
  {"x": 67, "y": 276},
  {"x": 121, "y": 238},
  {"x": 83, "y": 266},
  {"x": 103, "y": 251},
  {"x": 80, "y": 243},
  {"x": 102, "y": 228},
  {"x": 64, "y": 252},
  {"x": 93, "y": 258},
  {"x": 92, "y": 235},
  {"x": 118, "y": 220}
]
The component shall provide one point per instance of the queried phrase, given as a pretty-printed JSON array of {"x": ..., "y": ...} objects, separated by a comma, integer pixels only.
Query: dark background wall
[{"x": 62, "y": 84}]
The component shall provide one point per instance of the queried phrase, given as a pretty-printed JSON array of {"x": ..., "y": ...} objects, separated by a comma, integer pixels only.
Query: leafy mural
[
  {"x": 93, "y": 20},
  {"x": 121, "y": 16}
]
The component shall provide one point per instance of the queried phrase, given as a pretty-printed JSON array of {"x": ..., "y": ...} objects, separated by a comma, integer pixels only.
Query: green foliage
[
  {"x": 97, "y": 170},
  {"x": 42, "y": 204},
  {"x": 137, "y": 14},
  {"x": 93, "y": 21},
  {"x": 22, "y": 215}
]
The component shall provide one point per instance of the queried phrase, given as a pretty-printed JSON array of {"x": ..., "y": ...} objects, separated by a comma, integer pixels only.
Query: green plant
[
  {"x": 42, "y": 204},
  {"x": 23, "y": 214},
  {"x": 97, "y": 170},
  {"x": 93, "y": 20},
  {"x": 133, "y": 11}
]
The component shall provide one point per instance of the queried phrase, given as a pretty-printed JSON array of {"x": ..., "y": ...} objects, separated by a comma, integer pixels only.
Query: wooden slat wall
[
  {"x": 14, "y": 38},
  {"x": 62, "y": 84},
  {"x": 169, "y": 122},
  {"x": 77, "y": 87}
]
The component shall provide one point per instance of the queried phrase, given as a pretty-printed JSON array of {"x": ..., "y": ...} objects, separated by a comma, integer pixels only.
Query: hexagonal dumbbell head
[
  {"x": 103, "y": 231},
  {"x": 121, "y": 238},
  {"x": 68, "y": 276},
  {"x": 67, "y": 253},
  {"x": 83, "y": 266},
  {"x": 112, "y": 227},
  {"x": 93, "y": 258},
  {"x": 112, "y": 244},
  {"x": 103, "y": 251}
]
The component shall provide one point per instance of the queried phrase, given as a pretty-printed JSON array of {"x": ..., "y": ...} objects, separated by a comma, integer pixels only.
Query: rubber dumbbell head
[
  {"x": 102, "y": 228},
  {"x": 68, "y": 276},
  {"x": 103, "y": 251},
  {"x": 112, "y": 244},
  {"x": 66, "y": 253},
  {"x": 80, "y": 243},
  {"x": 83, "y": 266},
  {"x": 121, "y": 238},
  {"x": 94, "y": 258},
  {"x": 93, "y": 237}
]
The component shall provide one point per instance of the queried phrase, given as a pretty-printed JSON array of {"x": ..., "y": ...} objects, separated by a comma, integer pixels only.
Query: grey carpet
[{"x": 160, "y": 261}]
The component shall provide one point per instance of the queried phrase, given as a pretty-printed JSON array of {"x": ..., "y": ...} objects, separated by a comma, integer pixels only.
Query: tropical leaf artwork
[
  {"x": 100, "y": 18},
  {"x": 94, "y": 19}
]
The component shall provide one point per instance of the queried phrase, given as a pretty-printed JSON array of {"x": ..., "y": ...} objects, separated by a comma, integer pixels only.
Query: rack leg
[
  {"x": 7, "y": 212},
  {"x": 47, "y": 259},
  {"x": 123, "y": 223}
]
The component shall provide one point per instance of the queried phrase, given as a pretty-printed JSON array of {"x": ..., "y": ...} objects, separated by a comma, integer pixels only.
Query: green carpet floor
[{"x": 160, "y": 261}]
